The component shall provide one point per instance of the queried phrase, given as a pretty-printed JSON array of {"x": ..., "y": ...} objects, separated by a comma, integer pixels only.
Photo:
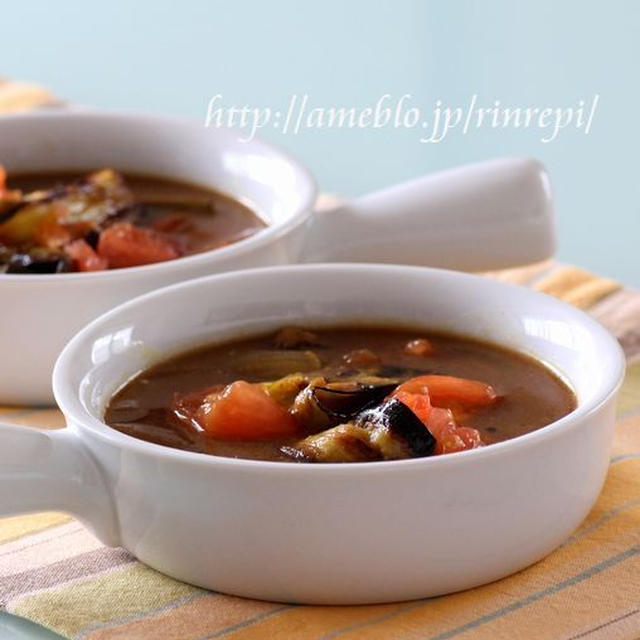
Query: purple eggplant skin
[
  {"x": 346, "y": 404},
  {"x": 399, "y": 420},
  {"x": 35, "y": 263}
]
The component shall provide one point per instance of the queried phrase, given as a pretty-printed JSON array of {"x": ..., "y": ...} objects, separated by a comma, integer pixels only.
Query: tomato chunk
[
  {"x": 84, "y": 257},
  {"x": 449, "y": 391},
  {"x": 361, "y": 358},
  {"x": 124, "y": 245},
  {"x": 50, "y": 233},
  {"x": 441, "y": 423},
  {"x": 243, "y": 411},
  {"x": 418, "y": 403},
  {"x": 470, "y": 437},
  {"x": 419, "y": 347}
]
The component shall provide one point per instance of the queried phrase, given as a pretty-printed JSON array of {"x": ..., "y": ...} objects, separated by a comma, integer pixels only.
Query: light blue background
[{"x": 172, "y": 56}]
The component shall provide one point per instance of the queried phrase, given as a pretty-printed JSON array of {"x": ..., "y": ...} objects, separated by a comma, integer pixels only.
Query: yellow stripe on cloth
[
  {"x": 629, "y": 398},
  {"x": 112, "y": 596},
  {"x": 522, "y": 275},
  {"x": 19, "y": 526}
]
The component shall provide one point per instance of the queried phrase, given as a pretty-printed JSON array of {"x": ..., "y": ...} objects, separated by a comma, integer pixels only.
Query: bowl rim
[
  {"x": 80, "y": 417},
  {"x": 236, "y": 249}
]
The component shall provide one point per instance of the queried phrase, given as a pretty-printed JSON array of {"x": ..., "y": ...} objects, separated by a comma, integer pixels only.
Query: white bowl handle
[
  {"x": 53, "y": 471},
  {"x": 491, "y": 215}
]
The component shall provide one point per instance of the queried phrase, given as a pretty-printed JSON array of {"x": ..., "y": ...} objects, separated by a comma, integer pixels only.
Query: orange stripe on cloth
[
  {"x": 305, "y": 622},
  {"x": 627, "y": 436},
  {"x": 22, "y": 96},
  {"x": 522, "y": 275},
  {"x": 50, "y": 418},
  {"x": 207, "y": 615},
  {"x": 576, "y": 286}
]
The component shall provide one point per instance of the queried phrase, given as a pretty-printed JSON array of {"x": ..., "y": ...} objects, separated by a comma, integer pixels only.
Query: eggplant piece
[
  {"x": 79, "y": 206},
  {"x": 388, "y": 432},
  {"x": 344, "y": 443},
  {"x": 396, "y": 431},
  {"x": 38, "y": 263},
  {"x": 344, "y": 400},
  {"x": 308, "y": 413},
  {"x": 321, "y": 404},
  {"x": 294, "y": 455}
]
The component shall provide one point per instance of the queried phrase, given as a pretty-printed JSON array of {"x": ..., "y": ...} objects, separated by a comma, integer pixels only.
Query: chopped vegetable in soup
[
  {"x": 55, "y": 223},
  {"x": 340, "y": 395}
]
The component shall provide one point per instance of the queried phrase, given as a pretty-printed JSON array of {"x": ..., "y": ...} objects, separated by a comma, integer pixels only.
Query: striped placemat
[{"x": 55, "y": 573}]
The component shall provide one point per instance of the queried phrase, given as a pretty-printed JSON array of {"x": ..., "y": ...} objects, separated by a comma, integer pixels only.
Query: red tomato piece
[
  {"x": 124, "y": 245},
  {"x": 470, "y": 437},
  {"x": 449, "y": 391},
  {"x": 418, "y": 403},
  {"x": 441, "y": 423},
  {"x": 361, "y": 358},
  {"x": 50, "y": 233},
  {"x": 84, "y": 257},
  {"x": 244, "y": 411}
]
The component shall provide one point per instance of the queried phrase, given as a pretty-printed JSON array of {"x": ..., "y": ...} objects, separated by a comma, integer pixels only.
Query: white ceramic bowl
[
  {"x": 484, "y": 216},
  {"x": 353, "y": 533}
]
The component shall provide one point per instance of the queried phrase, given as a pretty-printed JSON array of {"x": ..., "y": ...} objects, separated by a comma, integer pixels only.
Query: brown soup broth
[{"x": 532, "y": 396}]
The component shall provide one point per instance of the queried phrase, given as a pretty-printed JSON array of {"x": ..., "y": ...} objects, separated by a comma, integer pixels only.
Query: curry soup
[
  {"x": 351, "y": 394},
  {"x": 60, "y": 222}
]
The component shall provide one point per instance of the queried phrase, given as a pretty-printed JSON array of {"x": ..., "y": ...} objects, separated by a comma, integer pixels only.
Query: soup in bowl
[
  {"x": 341, "y": 394},
  {"x": 55, "y": 223},
  {"x": 332, "y": 532}
]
